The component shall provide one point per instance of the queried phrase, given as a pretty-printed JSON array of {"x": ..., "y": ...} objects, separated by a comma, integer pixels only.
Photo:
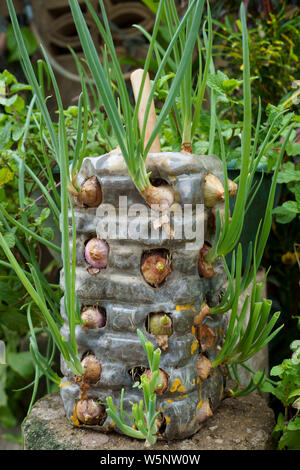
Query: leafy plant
[
  {"x": 273, "y": 42},
  {"x": 290, "y": 209},
  {"x": 144, "y": 414},
  {"x": 287, "y": 390}
]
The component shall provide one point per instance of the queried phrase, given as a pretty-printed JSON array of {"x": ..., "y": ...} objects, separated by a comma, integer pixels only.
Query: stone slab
[{"x": 244, "y": 423}]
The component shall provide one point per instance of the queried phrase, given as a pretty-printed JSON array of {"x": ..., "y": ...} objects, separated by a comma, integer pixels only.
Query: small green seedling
[{"x": 144, "y": 413}]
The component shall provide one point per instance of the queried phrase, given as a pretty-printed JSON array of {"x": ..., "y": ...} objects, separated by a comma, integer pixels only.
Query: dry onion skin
[
  {"x": 90, "y": 412},
  {"x": 96, "y": 254},
  {"x": 155, "y": 268},
  {"x": 204, "y": 311},
  {"x": 203, "y": 366},
  {"x": 205, "y": 268},
  {"x": 93, "y": 318},
  {"x": 162, "y": 384},
  {"x": 92, "y": 369},
  {"x": 90, "y": 193}
]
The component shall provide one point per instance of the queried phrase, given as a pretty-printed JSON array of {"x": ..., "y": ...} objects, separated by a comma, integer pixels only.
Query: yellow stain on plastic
[
  {"x": 194, "y": 381},
  {"x": 194, "y": 347},
  {"x": 181, "y": 389},
  {"x": 74, "y": 418},
  {"x": 167, "y": 419},
  {"x": 64, "y": 384},
  {"x": 220, "y": 331},
  {"x": 112, "y": 424},
  {"x": 213, "y": 373},
  {"x": 175, "y": 385},
  {"x": 181, "y": 397},
  {"x": 198, "y": 381},
  {"x": 193, "y": 330},
  {"x": 200, "y": 404},
  {"x": 169, "y": 401},
  {"x": 185, "y": 307}
]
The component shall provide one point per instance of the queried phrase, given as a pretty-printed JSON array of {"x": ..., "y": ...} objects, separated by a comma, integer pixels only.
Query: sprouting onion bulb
[
  {"x": 93, "y": 318},
  {"x": 96, "y": 253},
  {"x": 162, "y": 383},
  {"x": 160, "y": 325},
  {"x": 90, "y": 412},
  {"x": 92, "y": 369},
  {"x": 213, "y": 190},
  {"x": 90, "y": 192},
  {"x": 204, "y": 267},
  {"x": 155, "y": 268}
]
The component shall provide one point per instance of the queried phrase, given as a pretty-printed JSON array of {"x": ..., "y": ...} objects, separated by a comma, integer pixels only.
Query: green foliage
[
  {"x": 287, "y": 390},
  {"x": 274, "y": 44},
  {"x": 11, "y": 43},
  {"x": 289, "y": 175}
]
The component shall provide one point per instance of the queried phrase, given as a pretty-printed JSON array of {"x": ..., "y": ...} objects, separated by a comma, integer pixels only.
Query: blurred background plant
[{"x": 274, "y": 40}]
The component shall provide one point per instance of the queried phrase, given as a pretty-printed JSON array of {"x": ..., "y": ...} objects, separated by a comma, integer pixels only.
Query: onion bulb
[
  {"x": 213, "y": 190},
  {"x": 90, "y": 412},
  {"x": 162, "y": 382},
  {"x": 232, "y": 188},
  {"x": 162, "y": 195},
  {"x": 204, "y": 267},
  {"x": 92, "y": 369},
  {"x": 90, "y": 192},
  {"x": 93, "y": 318},
  {"x": 155, "y": 268},
  {"x": 96, "y": 254}
]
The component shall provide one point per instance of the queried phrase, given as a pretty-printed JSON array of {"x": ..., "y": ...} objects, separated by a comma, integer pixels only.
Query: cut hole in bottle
[
  {"x": 205, "y": 268},
  {"x": 161, "y": 424},
  {"x": 156, "y": 266},
  {"x": 206, "y": 336},
  {"x": 93, "y": 317},
  {"x": 136, "y": 373},
  {"x": 158, "y": 181},
  {"x": 160, "y": 325},
  {"x": 96, "y": 254}
]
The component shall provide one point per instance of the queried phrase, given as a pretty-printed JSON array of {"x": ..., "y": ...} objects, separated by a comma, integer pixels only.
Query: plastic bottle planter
[{"x": 128, "y": 302}]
